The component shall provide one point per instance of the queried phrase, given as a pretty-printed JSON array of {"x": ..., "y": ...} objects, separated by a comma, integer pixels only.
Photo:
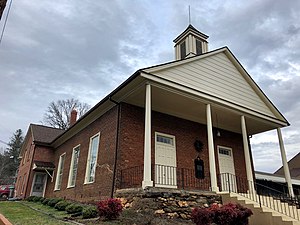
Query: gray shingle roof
[{"x": 44, "y": 134}]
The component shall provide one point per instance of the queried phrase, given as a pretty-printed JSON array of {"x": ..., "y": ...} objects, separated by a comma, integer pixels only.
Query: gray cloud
[{"x": 84, "y": 49}]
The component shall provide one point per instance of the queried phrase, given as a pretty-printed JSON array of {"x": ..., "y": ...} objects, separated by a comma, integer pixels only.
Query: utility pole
[{"x": 2, "y": 7}]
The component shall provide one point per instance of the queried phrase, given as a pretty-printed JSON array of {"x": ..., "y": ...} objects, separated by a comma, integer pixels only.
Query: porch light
[{"x": 218, "y": 133}]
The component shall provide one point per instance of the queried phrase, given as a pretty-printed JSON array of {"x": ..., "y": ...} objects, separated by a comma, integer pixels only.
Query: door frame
[
  {"x": 225, "y": 180},
  {"x": 45, "y": 183},
  {"x": 155, "y": 158}
]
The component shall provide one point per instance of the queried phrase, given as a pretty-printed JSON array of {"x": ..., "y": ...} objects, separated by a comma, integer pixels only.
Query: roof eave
[{"x": 107, "y": 98}]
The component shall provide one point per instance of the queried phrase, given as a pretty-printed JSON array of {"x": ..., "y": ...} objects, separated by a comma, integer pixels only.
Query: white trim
[
  {"x": 89, "y": 158},
  {"x": 155, "y": 155},
  {"x": 224, "y": 147},
  {"x": 248, "y": 162},
  {"x": 44, "y": 185},
  {"x": 225, "y": 181},
  {"x": 58, "y": 171},
  {"x": 147, "y": 181},
  {"x": 71, "y": 167},
  {"x": 285, "y": 165},
  {"x": 211, "y": 151},
  {"x": 165, "y": 135},
  {"x": 205, "y": 98}
]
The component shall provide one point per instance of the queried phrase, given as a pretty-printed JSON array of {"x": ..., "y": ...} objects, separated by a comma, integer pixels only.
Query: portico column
[
  {"x": 285, "y": 164},
  {"x": 247, "y": 154},
  {"x": 211, "y": 151},
  {"x": 147, "y": 182}
]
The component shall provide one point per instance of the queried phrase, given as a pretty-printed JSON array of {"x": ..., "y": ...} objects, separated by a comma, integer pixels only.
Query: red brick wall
[
  {"x": 102, "y": 186},
  {"x": 186, "y": 132},
  {"x": 32, "y": 152},
  {"x": 24, "y": 169},
  {"x": 131, "y": 149}
]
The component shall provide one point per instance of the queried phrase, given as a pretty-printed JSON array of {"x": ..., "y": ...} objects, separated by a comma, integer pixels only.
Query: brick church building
[{"x": 177, "y": 125}]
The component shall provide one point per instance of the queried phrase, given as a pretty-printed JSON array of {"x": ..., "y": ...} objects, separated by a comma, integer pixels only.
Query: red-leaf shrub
[
  {"x": 228, "y": 214},
  {"x": 109, "y": 209},
  {"x": 201, "y": 216}
]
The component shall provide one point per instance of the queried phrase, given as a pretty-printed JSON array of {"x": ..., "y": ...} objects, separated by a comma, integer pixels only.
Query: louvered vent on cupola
[{"x": 190, "y": 42}]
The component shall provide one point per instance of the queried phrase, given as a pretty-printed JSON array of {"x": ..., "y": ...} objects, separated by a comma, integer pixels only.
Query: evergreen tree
[{"x": 9, "y": 160}]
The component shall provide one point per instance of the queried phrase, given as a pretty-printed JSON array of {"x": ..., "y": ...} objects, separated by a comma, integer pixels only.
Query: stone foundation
[{"x": 166, "y": 202}]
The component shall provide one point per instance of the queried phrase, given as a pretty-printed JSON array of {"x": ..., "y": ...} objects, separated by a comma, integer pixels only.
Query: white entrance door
[
  {"x": 165, "y": 161},
  {"x": 227, "y": 171},
  {"x": 39, "y": 184}
]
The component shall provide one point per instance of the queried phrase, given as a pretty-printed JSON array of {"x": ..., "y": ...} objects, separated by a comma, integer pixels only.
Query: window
[
  {"x": 182, "y": 50},
  {"x": 198, "y": 47},
  {"x": 164, "y": 139},
  {"x": 60, "y": 169},
  {"x": 225, "y": 151},
  {"x": 92, "y": 159},
  {"x": 73, "y": 166}
]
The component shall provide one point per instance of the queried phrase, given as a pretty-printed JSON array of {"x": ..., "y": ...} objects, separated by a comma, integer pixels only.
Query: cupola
[{"x": 189, "y": 43}]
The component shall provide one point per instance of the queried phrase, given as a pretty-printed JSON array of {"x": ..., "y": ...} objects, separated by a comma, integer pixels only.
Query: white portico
[{"x": 210, "y": 88}]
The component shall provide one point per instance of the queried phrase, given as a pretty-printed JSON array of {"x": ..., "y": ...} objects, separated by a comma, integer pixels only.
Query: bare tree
[
  {"x": 2, "y": 7},
  {"x": 58, "y": 113}
]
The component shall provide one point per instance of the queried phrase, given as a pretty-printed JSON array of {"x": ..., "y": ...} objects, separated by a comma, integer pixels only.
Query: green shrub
[
  {"x": 74, "y": 208},
  {"x": 89, "y": 212},
  {"x": 30, "y": 198},
  {"x": 35, "y": 199},
  {"x": 38, "y": 199},
  {"x": 45, "y": 201},
  {"x": 61, "y": 206},
  {"x": 53, "y": 201}
]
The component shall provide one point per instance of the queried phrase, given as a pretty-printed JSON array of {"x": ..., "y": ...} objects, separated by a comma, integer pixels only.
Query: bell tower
[{"x": 189, "y": 43}]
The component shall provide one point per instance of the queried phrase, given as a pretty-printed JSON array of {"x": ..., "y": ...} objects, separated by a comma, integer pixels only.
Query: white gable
[{"x": 216, "y": 75}]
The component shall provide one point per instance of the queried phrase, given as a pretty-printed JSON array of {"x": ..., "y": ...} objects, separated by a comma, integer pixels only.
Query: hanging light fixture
[{"x": 218, "y": 131}]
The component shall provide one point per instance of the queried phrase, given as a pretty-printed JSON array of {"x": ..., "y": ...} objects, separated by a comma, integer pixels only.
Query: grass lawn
[{"x": 19, "y": 214}]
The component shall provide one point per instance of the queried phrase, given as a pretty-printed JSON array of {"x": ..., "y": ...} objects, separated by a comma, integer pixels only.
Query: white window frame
[
  {"x": 71, "y": 171},
  {"x": 88, "y": 164},
  {"x": 59, "y": 174},
  {"x": 219, "y": 147}
]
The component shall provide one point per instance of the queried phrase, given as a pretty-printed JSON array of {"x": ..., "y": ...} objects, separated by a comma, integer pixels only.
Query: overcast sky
[{"x": 84, "y": 49}]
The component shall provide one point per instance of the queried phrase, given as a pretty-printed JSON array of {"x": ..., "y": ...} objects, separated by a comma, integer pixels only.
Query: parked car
[{"x": 5, "y": 191}]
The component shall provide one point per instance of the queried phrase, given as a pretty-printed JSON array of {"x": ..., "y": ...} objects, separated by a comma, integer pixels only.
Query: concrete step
[{"x": 264, "y": 215}]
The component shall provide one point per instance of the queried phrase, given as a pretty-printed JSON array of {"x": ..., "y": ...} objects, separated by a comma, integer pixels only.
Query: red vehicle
[{"x": 5, "y": 190}]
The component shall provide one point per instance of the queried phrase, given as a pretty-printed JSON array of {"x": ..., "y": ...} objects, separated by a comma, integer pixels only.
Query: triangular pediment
[{"x": 219, "y": 74}]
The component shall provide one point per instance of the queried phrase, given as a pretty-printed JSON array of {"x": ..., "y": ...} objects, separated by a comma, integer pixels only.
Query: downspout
[{"x": 117, "y": 145}]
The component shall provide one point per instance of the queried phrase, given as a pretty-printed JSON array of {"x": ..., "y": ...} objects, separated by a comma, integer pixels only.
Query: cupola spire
[{"x": 190, "y": 42}]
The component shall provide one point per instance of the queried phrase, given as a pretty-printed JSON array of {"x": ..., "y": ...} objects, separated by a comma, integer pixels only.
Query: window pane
[
  {"x": 165, "y": 140},
  {"x": 198, "y": 47},
  {"x": 182, "y": 50},
  {"x": 92, "y": 159},
  {"x": 74, "y": 165},
  {"x": 60, "y": 171}
]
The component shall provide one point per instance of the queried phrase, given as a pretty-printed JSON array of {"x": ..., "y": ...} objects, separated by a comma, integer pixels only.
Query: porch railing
[
  {"x": 270, "y": 198},
  {"x": 163, "y": 176}
]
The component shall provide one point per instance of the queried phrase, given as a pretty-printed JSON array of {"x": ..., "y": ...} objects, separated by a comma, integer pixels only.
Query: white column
[
  {"x": 285, "y": 164},
  {"x": 211, "y": 151},
  {"x": 147, "y": 182},
  {"x": 247, "y": 155}
]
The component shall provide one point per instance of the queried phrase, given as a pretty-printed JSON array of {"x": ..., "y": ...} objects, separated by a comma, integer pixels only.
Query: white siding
[{"x": 217, "y": 76}]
